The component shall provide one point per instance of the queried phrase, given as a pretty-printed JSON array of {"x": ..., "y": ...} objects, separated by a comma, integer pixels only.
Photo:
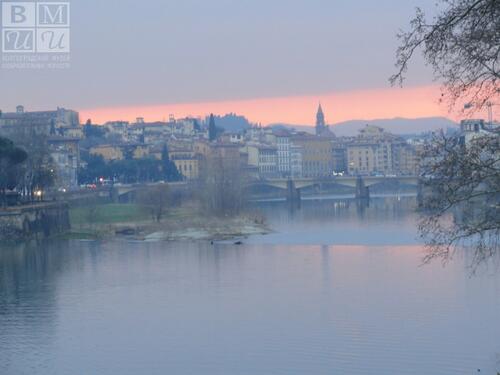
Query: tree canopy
[
  {"x": 461, "y": 43},
  {"x": 212, "y": 129},
  {"x": 10, "y": 158}
]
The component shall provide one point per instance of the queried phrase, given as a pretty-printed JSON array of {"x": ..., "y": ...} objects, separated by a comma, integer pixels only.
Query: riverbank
[
  {"x": 33, "y": 221},
  {"x": 181, "y": 223}
]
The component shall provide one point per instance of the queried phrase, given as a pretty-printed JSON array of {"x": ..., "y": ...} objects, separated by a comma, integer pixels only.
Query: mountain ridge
[{"x": 397, "y": 125}]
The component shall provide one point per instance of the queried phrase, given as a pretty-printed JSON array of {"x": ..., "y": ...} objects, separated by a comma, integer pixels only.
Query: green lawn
[{"x": 108, "y": 214}]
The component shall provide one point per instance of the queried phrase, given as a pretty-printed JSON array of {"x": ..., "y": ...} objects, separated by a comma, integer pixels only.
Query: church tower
[{"x": 320, "y": 121}]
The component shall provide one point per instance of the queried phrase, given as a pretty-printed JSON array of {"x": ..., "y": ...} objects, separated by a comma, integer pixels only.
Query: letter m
[{"x": 53, "y": 14}]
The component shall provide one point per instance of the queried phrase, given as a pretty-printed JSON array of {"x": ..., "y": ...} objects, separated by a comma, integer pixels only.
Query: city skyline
[
  {"x": 363, "y": 105},
  {"x": 415, "y": 102}
]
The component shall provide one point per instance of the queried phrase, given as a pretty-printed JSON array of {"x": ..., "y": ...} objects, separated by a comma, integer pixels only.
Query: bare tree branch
[{"x": 462, "y": 45}]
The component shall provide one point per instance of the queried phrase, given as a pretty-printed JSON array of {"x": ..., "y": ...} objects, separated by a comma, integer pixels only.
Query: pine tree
[
  {"x": 212, "y": 130},
  {"x": 52, "y": 127},
  {"x": 170, "y": 170},
  {"x": 164, "y": 154}
]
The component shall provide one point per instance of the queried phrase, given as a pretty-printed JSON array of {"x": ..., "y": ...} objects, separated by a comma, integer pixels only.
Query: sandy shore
[{"x": 182, "y": 228}]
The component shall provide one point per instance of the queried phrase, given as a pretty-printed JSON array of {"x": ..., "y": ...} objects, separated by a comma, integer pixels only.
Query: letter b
[{"x": 20, "y": 14}]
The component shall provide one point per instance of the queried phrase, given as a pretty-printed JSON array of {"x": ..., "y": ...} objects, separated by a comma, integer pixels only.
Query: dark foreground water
[{"x": 337, "y": 290}]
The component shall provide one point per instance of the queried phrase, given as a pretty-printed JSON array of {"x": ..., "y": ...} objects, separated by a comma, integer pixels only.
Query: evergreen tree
[
  {"x": 169, "y": 168},
  {"x": 212, "y": 130},
  {"x": 10, "y": 158},
  {"x": 197, "y": 126},
  {"x": 165, "y": 157},
  {"x": 93, "y": 131},
  {"x": 52, "y": 127}
]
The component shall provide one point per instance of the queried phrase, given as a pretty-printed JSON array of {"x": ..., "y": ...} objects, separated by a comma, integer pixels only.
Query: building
[
  {"x": 283, "y": 144},
  {"x": 186, "y": 126},
  {"x": 227, "y": 137},
  {"x": 368, "y": 158},
  {"x": 112, "y": 152},
  {"x": 71, "y": 132},
  {"x": 316, "y": 155},
  {"x": 296, "y": 161},
  {"x": 259, "y": 134},
  {"x": 376, "y": 152},
  {"x": 320, "y": 121},
  {"x": 471, "y": 129},
  {"x": 187, "y": 163},
  {"x": 339, "y": 156},
  {"x": 59, "y": 130},
  {"x": 118, "y": 130},
  {"x": 322, "y": 130},
  {"x": 43, "y": 121},
  {"x": 202, "y": 147},
  {"x": 265, "y": 158},
  {"x": 405, "y": 159},
  {"x": 108, "y": 152},
  {"x": 65, "y": 153}
]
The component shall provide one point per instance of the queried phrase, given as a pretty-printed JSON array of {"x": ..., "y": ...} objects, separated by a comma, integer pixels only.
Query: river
[{"x": 337, "y": 288}]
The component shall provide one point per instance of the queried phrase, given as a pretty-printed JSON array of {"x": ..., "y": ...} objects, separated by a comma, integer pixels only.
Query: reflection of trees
[{"x": 28, "y": 292}]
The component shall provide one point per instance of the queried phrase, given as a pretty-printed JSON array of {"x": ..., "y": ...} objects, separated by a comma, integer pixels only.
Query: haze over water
[{"x": 337, "y": 289}]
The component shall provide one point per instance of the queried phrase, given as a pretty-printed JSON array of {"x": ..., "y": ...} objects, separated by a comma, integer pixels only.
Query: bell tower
[{"x": 320, "y": 121}]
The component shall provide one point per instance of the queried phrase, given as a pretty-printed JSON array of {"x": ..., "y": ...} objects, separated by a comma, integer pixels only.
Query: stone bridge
[
  {"x": 360, "y": 183},
  {"x": 121, "y": 190},
  {"x": 293, "y": 187}
]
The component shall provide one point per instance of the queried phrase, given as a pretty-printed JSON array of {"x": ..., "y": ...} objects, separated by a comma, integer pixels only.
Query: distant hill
[
  {"x": 399, "y": 126},
  {"x": 231, "y": 122}
]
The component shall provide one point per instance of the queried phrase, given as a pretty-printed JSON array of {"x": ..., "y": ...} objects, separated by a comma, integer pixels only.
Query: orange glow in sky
[{"x": 300, "y": 110}]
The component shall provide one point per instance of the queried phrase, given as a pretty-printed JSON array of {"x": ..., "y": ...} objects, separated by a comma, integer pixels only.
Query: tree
[
  {"x": 94, "y": 169},
  {"x": 170, "y": 171},
  {"x": 127, "y": 171},
  {"x": 212, "y": 129},
  {"x": 93, "y": 131},
  {"x": 52, "y": 127},
  {"x": 222, "y": 185},
  {"x": 462, "y": 45},
  {"x": 461, "y": 178},
  {"x": 156, "y": 200},
  {"x": 38, "y": 172},
  {"x": 11, "y": 157},
  {"x": 196, "y": 125},
  {"x": 462, "y": 183}
]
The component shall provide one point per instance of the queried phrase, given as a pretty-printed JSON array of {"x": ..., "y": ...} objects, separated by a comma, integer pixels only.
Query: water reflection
[
  {"x": 296, "y": 302},
  {"x": 382, "y": 221}
]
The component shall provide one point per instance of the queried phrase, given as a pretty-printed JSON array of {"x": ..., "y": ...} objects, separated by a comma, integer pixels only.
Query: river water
[{"x": 337, "y": 289}]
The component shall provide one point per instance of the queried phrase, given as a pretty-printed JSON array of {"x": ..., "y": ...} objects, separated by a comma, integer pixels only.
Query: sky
[{"x": 270, "y": 60}]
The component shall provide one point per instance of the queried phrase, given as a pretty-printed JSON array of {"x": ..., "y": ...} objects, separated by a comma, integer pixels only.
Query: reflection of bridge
[{"x": 361, "y": 184}]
